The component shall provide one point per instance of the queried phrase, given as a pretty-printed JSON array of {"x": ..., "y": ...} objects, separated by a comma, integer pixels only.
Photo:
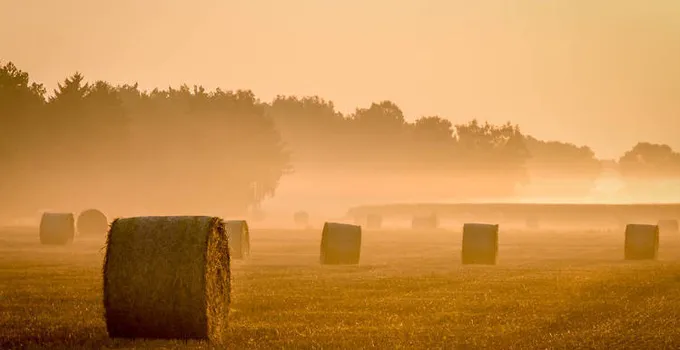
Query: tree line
[{"x": 229, "y": 149}]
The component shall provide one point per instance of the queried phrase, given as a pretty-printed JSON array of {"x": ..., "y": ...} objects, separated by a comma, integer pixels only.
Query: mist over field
[
  {"x": 598, "y": 77},
  {"x": 318, "y": 174}
]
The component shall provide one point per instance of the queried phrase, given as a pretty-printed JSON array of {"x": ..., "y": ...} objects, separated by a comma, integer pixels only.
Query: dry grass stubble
[{"x": 550, "y": 290}]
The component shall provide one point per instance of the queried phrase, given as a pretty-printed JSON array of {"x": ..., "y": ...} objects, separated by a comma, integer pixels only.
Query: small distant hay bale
[
  {"x": 167, "y": 278},
  {"x": 374, "y": 221},
  {"x": 430, "y": 222},
  {"x": 480, "y": 244},
  {"x": 57, "y": 228},
  {"x": 669, "y": 226},
  {"x": 641, "y": 242},
  {"x": 532, "y": 223},
  {"x": 301, "y": 218},
  {"x": 239, "y": 238},
  {"x": 340, "y": 244},
  {"x": 92, "y": 222}
]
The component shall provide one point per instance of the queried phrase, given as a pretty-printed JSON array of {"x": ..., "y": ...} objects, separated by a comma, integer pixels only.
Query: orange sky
[{"x": 602, "y": 73}]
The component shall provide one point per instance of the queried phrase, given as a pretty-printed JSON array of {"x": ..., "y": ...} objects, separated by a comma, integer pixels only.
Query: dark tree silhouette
[
  {"x": 488, "y": 151},
  {"x": 310, "y": 126},
  {"x": 575, "y": 167},
  {"x": 433, "y": 143},
  {"x": 67, "y": 118},
  {"x": 178, "y": 132},
  {"x": 21, "y": 106},
  {"x": 196, "y": 149},
  {"x": 380, "y": 118},
  {"x": 21, "y": 103},
  {"x": 18, "y": 94},
  {"x": 378, "y": 135},
  {"x": 433, "y": 129},
  {"x": 647, "y": 166},
  {"x": 650, "y": 161}
]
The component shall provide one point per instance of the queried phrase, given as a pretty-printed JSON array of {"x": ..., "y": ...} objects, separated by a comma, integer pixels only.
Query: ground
[{"x": 569, "y": 290}]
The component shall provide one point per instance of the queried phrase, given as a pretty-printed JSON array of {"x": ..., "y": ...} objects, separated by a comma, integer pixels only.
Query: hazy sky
[{"x": 602, "y": 73}]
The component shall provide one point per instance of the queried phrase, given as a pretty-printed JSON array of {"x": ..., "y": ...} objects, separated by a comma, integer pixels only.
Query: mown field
[{"x": 556, "y": 290}]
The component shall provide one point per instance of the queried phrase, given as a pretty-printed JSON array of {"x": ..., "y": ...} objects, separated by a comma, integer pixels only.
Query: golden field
[{"x": 550, "y": 289}]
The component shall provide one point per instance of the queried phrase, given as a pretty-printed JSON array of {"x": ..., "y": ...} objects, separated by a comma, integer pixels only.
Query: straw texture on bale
[
  {"x": 373, "y": 221},
  {"x": 239, "y": 238},
  {"x": 167, "y": 278},
  {"x": 425, "y": 222},
  {"x": 92, "y": 222},
  {"x": 480, "y": 244},
  {"x": 669, "y": 226},
  {"x": 301, "y": 218},
  {"x": 641, "y": 242},
  {"x": 340, "y": 244},
  {"x": 57, "y": 228}
]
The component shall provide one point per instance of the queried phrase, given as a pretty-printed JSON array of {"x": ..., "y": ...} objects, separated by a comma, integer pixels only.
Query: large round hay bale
[
  {"x": 239, "y": 238},
  {"x": 429, "y": 222},
  {"x": 668, "y": 226},
  {"x": 301, "y": 218},
  {"x": 480, "y": 244},
  {"x": 167, "y": 278},
  {"x": 57, "y": 228},
  {"x": 374, "y": 221},
  {"x": 340, "y": 244},
  {"x": 641, "y": 242},
  {"x": 92, "y": 222}
]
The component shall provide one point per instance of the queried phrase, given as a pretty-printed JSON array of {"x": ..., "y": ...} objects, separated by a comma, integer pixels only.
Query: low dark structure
[
  {"x": 430, "y": 222},
  {"x": 373, "y": 222},
  {"x": 518, "y": 212}
]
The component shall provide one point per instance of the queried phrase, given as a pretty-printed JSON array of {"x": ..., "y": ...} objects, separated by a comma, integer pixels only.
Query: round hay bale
[
  {"x": 92, "y": 222},
  {"x": 301, "y": 218},
  {"x": 57, "y": 228},
  {"x": 167, "y": 278},
  {"x": 430, "y": 222},
  {"x": 480, "y": 244},
  {"x": 668, "y": 226},
  {"x": 239, "y": 238},
  {"x": 340, "y": 244},
  {"x": 373, "y": 221},
  {"x": 641, "y": 242}
]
